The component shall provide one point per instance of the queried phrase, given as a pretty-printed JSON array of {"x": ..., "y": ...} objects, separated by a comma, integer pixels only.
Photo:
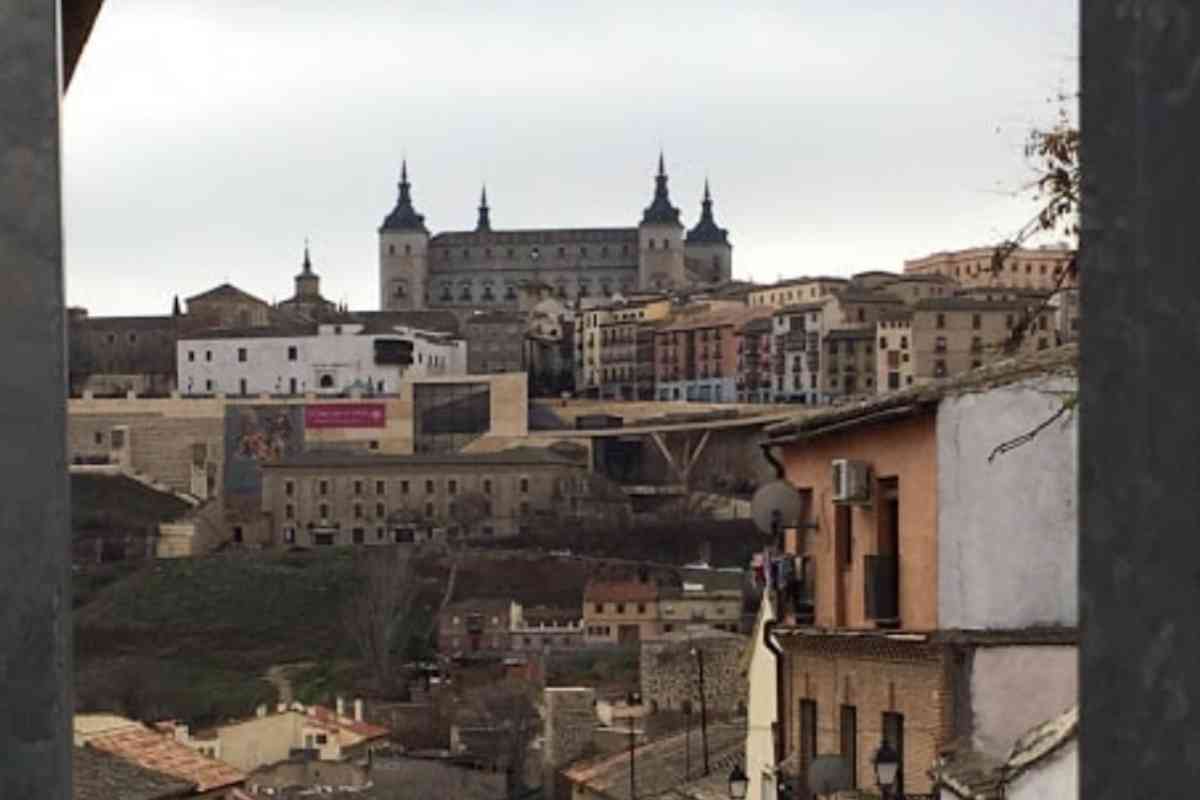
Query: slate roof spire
[
  {"x": 707, "y": 231},
  {"x": 660, "y": 211},
  {"x": 484, "y": 223},
  {"x": 404, "y": 217}
]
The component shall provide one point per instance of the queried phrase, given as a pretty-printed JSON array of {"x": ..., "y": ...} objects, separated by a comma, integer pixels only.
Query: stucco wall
[
  {"x": 1008, "y": 550},
  {"x": 1015, "y": 688},
  {"x": 1055, "y": 778},
  {"x": 907, "y": 450},
  {"x": 761, "y": 713}
]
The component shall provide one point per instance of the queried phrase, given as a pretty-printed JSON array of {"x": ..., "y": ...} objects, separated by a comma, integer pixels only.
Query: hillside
[{"x": 113, "y": 507}]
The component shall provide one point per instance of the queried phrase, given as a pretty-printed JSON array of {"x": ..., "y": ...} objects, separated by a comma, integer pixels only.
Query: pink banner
[{"x": 347, "y": 415}]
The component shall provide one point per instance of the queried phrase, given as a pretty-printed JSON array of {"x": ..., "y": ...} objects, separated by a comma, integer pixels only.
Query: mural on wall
[{"x": 254, "y": 434}]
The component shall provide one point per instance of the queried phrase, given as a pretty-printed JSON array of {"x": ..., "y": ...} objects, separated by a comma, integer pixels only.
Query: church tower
[
  {"x": 709, "y": 255},
  {"x": 403, "y": 254},
  {"x": 660, "y": 240}
]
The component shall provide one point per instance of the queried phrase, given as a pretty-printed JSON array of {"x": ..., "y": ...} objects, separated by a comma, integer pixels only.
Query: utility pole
[
  {"x": 703, "y": 710},
  {"x": 687, "y": 741},
  {"x": 632, "y": 756}
]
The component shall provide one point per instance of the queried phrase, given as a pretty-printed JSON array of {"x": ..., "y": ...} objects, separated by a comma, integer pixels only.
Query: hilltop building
[{"x": 486, "y": 267}]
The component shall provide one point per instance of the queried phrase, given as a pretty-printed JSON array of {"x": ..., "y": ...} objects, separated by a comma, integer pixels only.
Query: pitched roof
[
  {"x": 854, "y": 294},
  {"x": 973, "y": 775},
  {"x": 1060, "y": 360},
  {"x": 100, "y": 775},
  {"x": 362, "y": 731},
  {"x": 154, "y": 751},
  {"x": 426, "y": 320},
  {"x": 618, "y": 591},
  {"x": 226, "y": 291},
  {"x": 718, "y": 318},
  {"x": 661, "y": 764}
]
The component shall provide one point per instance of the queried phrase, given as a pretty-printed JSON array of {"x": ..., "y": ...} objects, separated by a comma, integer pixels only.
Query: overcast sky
[{"x": 203, "y": 141}]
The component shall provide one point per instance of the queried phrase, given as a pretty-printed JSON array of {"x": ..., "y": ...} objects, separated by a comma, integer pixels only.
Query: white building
[
  {"x": 760, "y": 666},
  {"x": 327, "y": 359}
]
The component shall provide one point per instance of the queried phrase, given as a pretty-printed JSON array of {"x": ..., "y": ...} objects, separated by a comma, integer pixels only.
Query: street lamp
[
  {"x": 737, "y": 783},
  {"x": 887, "y": 765}
]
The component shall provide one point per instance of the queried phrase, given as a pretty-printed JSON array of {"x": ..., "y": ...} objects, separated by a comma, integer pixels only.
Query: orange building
[{"x": 925, "y": 575}]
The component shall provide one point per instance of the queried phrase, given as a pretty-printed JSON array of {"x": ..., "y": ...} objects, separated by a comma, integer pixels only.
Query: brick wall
[
  {"x": 670, "y": 672},
  {"x": 873, "y": 676}
]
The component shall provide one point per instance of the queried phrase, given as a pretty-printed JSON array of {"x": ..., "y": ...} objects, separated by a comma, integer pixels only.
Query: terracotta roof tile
[{"x": 154, "y": 751}]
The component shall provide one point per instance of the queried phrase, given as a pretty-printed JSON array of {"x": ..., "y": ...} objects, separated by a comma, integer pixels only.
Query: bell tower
[
  {"x": 660, "y": 239},
  {"x": 403, "y": 253}
]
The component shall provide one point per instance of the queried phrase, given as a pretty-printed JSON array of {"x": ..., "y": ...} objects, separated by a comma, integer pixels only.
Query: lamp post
[
  {"x": 738, "y": 783},
  {"x": 699, "y": 654},
  {"x": 887, "y": 767}
]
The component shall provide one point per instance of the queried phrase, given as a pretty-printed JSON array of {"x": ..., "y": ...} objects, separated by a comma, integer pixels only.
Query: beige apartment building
[
  {"x": 325, "y": 498},
  {"x": 602, "y": 333},
  {"x": 1025, "y": 268},
  {"x": 626, "y": 349},
  {"x": 620, "y": 611},
  {"x": 939, "y": 338},
  {"x": 795, "y": 290}
]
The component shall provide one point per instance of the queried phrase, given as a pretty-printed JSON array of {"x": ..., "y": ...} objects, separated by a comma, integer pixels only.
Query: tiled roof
[
  {"x": 859, "y": 295},
  {"x": 149, "y": 323},
  {"x": 1060, "y": 360},
  {"x": 973, "y": 775},
  {"x": 851, "y": 333},
  {"x": 226, "y": 291},
  {"x": 606, "y": 591},
  {"x": 363, "y": 731},
  {"x": 100, "y": 775},
  {"x": 718, "y": 318},
  {"x": 660, "y": 765},
  {"x": 385, "y": 321},
  {"x": 160, "y": 753},
  {"x": 796, "y": 308}
]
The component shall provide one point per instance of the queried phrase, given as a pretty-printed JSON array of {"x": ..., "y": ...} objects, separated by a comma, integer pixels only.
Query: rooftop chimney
[
  {"x": 341, "y": 707},
  {"x": 358, "y": 710}
]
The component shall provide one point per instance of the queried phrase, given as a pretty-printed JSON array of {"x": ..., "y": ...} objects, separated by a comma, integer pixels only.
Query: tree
[
  {"x": 507, "y": 706},
  {"x": 1056, "y": 187},
  {"x": 469, "y": 509},
  {"x": 386, "y": 589}
]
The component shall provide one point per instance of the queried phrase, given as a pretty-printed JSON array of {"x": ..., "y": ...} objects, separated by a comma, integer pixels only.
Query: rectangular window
[
  {"x": 242, "y": 386},
  {"x": 428, "y": 487},
  {"x": 191, "y": 355},
  {"x": 620, "y": 608},
  {"x": 358, "y": 487},
  {"x": 403, "y": 487},
  {"x": 850, "y": 742},
  {"x": 976, "y": 321},
  {"x": 292, "y": 386},
  {"x": 379, "y": 511},
  {"x": 324, "y": 511},
  {"x": 208, "y": 355},
  {"x": 358, "y": 512},
  {"x": 323, "y": 488},
  {"x": 941, "y": 320},
  {"x": 289, "y": 511},
  {"x": 524, "y": 485},
  {"x": 208, "y": 386},
  {"x": 380, "y": 488},
  {"x": 487, "y": 486},
  {"x": 359, "y": 535},
  {"x": 292, "y": 353},
  {"x": 845, "y": 535},
  {"x": 524, "y": 508},
  {"x": 429, "y": 510},
  {"x": 452, "y": 486},
  {"x": 808, "y": 733},
  {"x": 241, "y": 354}
]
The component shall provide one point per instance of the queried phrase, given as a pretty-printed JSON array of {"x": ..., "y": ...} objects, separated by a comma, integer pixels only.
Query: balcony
[{"x": 882, "y": 590}]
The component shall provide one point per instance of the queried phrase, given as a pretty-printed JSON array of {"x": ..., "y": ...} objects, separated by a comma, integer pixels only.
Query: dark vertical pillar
[
  {"x": 1139, "y": 423},
  {"x": 35, "y": 602}
]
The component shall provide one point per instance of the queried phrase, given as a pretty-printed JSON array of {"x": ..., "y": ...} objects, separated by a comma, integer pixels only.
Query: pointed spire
[
  {"x": 707, "y": 231},
  {"x": 175, "y": 310},
  {"x": 307, "y": 261},
  {"x": 404, "y": 216},
  {"x": 660, "y": 210},
  {"x": 484, "y": 223}
]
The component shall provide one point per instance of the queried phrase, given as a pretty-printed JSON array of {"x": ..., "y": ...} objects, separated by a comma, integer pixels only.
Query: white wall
[
  {"x": 760, "y": 743},
  {"x": 1007, "y": 530},
  {"x": 211, "y": 365},
  {"x": 1053, "y": 778},
  {"x": 1016, "y": 688}
]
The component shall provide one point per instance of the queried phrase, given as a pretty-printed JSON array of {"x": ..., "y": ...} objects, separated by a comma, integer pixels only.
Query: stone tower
[
  {"x": 660, "y": 240},
  {"x": 403, "y": 254},
  {"x": 709, "y": 255},
  {"x": 308, "y": 283}
]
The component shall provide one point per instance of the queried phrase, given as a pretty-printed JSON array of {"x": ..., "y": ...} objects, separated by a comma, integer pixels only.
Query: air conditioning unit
[{"x": 851, "y": 481}]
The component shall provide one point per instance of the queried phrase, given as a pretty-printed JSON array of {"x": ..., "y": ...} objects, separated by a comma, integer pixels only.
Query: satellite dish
[{"x": 776, "y": 506}]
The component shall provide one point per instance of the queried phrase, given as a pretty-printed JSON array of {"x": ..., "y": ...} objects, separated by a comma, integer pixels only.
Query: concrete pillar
[
  {"x": 1139, "y": 431},
  {"x": 35, "y": 597}
]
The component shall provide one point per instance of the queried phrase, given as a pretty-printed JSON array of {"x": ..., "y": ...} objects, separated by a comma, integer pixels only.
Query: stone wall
[
  {"x": 570, "y": 723},
  {"x": 670, "y": 674}
]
